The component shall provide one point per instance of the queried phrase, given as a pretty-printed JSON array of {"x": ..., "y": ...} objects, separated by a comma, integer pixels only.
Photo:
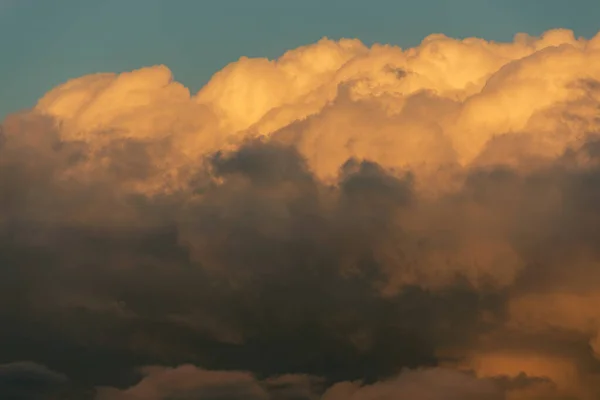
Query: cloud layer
[{"x": 343, "y": 222}]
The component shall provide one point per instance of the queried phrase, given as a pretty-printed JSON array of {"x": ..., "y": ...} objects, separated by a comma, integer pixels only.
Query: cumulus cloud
[
  {"x": 190, "y": 382},
  {"x": 434, "y": 384},
  {"x": 28, "y": 380},
  {"x": 314, "y": 225}
]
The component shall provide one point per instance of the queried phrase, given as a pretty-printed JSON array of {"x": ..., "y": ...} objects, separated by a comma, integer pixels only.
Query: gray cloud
[{"x": 343, "y": 237}]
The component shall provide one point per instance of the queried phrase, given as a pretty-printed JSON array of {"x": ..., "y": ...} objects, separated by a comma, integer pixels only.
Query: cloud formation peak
[{"x": 343, "y": 222}]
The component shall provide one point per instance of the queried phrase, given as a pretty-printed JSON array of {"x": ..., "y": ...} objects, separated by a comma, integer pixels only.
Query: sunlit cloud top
[
  {"x": 341, "y": 220},
  {"x": 44, "y": 44}
]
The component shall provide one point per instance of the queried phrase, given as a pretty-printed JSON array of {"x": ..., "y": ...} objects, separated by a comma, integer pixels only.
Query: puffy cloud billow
[{"x": 344, "y": 222}]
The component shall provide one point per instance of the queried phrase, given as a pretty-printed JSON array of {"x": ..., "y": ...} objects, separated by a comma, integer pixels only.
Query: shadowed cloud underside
[{"x": 343, "y": 222}]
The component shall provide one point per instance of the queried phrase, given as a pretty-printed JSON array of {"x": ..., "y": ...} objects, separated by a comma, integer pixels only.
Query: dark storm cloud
[
  {"x": 251, "y": 275},
  {"x": 31, "y": 381},
  {"x": 260, "y": 267}
]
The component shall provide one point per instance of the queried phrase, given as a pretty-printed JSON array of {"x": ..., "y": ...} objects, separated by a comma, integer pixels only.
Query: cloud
[
  {"x": 434, "y": 384},
  {"x": 318, "y": 223},
  {"x": 27, "y": 380},
  {"x": 188, "y": 381}
]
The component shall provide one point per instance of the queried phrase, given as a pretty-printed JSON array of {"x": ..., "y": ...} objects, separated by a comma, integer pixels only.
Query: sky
[
  {"x": 46, "y": 43},
  {"x": 213, "y": 201}
]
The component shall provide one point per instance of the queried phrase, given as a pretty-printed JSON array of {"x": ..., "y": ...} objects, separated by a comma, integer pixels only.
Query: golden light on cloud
[{"x": 396, "y": 204}]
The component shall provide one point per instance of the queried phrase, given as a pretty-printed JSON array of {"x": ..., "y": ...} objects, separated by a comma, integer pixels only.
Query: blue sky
[{"x": 46, "y": 42}]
